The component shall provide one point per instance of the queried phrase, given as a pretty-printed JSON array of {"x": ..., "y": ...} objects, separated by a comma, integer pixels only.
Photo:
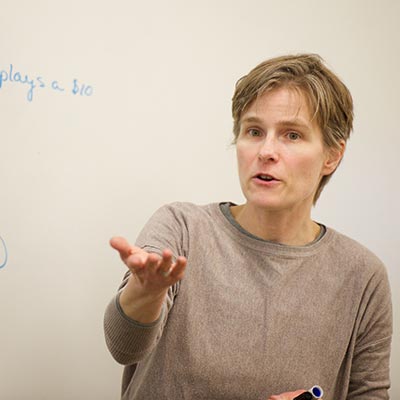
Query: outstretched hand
[
  {"x": 154, "y": 273},
  {"x": 151, "y": 277}
]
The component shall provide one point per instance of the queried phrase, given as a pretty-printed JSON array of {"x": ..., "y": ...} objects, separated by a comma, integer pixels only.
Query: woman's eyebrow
[
  {"x": 251, "y": 119},
  {"x": 294, "y": 123},
  {"x": 290, "y": 122}
]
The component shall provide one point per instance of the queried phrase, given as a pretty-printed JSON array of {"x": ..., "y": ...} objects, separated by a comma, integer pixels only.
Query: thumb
[
  {"x": 126, "y": 250},
  {"x": 121, "y": 245}
]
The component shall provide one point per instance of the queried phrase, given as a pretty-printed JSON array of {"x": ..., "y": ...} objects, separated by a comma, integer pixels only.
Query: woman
[{"x": 229, "y": 301}]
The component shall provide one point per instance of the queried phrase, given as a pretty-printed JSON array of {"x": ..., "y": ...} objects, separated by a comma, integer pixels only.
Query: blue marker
[{"x": 315, "y": 392}]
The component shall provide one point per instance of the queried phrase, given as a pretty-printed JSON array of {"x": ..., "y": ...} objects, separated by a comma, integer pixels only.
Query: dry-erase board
[{"x": 110, "y": 109}]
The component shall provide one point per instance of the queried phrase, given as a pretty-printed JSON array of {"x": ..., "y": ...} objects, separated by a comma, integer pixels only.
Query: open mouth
[{"x": 265, "y": 178}]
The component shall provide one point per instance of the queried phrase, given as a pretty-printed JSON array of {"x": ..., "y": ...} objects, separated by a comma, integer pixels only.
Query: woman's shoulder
[
  {"x": 187, "y": 210},
  {"x": 346, "y": 249}
]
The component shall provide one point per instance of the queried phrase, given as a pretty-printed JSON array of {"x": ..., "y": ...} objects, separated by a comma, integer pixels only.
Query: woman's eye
[
  {"x": 293, "y": 136},
  {"x": 254, "y": 132}
]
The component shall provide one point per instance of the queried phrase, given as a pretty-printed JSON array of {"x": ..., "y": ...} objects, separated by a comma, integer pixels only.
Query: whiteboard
[{"x": 111, "y": 109}]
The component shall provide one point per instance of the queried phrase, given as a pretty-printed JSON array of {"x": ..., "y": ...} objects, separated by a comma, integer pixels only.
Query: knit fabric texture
[{"x": 252, "y": 318}]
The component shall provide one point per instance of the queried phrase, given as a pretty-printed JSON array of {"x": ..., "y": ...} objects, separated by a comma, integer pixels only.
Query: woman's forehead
[{"x": 286, "y": 104}]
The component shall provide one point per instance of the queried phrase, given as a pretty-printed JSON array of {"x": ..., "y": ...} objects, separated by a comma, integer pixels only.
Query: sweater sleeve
[
  {"x": 369, "y": 379},
  {"x": 128, "y": 340}
]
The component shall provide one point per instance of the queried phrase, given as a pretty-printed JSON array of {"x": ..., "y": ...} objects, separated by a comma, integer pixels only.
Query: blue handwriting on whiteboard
[
  {"x": 13, "y": 76},
  {"x": 3, "y": 244}
]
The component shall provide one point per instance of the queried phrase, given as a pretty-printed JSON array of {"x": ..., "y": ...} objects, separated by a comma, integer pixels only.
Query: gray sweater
[{"x": 252, "y": 318}]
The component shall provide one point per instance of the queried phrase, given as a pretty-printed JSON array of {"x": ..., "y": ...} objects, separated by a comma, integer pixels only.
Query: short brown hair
[{"x": 329, "y": 99}]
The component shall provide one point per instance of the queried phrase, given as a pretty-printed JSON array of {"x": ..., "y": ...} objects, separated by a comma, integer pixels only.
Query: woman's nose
[{"x": 268, "y": 150}]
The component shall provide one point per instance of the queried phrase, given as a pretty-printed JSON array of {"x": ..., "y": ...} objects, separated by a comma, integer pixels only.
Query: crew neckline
[{"x": 224, "y": 214}]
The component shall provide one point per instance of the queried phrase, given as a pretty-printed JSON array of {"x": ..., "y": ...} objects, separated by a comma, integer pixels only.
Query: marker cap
[{"x": 317, "y": 392}]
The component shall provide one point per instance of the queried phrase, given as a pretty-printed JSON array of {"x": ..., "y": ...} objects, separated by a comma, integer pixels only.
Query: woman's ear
[{"x": 333, "y": 157}]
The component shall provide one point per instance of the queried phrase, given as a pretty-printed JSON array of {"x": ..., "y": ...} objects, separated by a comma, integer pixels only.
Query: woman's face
[{"x": 280, "y": 152}]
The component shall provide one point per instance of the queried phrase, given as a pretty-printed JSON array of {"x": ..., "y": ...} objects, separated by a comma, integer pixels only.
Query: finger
[
  {"x": 126, "y": 251},
  {"x": 121, "y": 245},
  {"x": 178, "y": 269},
  {"x": 302, "y": 393},
  {"x": 135, "y": 264},
  {"x": 166, "y": 263},
  {"x": 152, "y": 263}
]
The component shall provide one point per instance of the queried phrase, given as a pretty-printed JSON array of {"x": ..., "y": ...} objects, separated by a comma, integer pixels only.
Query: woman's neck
[{"x": 283, "y": 227}]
